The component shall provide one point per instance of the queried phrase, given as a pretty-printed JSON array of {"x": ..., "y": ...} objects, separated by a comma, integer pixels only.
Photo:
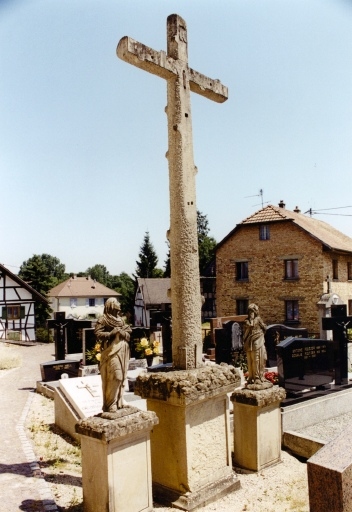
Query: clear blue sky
[{"x": 83, "y": 135}]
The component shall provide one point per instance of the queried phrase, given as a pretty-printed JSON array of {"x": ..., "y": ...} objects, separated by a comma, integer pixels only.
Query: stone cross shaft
[{"x": 184, "y": 259}]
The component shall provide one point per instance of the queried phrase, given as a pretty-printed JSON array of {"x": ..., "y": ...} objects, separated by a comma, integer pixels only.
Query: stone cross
[{"x": 184, "y": 259}]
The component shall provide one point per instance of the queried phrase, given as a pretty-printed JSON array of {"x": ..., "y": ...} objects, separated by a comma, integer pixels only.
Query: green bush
[{"x": 43, "y": 335}]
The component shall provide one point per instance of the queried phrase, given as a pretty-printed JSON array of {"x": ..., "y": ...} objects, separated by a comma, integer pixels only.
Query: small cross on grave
[
  {"x": 84, "y": 385},
  {"x": 181, "y": 79},
  {"x": 59, "y": 325},
  {"x": 338, "y": 323}
]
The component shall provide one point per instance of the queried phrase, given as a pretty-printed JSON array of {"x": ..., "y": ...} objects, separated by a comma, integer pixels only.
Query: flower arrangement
[
  {"x": 272, "y": 377},
  {"x": 94, "y": 354},
  {"x": 147, "y": 348}
]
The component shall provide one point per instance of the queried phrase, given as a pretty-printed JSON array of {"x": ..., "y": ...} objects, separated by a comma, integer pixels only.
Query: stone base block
[
  {"x": 257, "y": 427},
  {"x": 191, "y": 501},
  {"x": 116, "y": 468},
  {"x": 190, "y": 447},
  {"x": 330, "y": 476}
]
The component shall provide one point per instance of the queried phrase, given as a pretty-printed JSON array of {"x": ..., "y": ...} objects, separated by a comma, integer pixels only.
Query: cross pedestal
[
  {"x": 190, "y": 447},
  {"x": 338, "y": 324}
]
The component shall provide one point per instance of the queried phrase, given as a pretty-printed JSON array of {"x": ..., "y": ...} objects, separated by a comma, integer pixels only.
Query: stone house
[
  {"x": 80, "y": 298},
  {"x": 17, "y": 307},
  {"x": 281, "y": 260}
]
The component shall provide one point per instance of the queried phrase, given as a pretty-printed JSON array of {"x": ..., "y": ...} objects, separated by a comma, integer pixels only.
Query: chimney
[
  {"x": 282, "y": 204},
  {"x": 297, "y": 210}
]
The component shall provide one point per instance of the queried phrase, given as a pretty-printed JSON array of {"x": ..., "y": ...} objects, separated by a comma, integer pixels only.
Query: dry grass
[
  {"x": 9, "y": 357},
  {"x": 58, "y": 455}
]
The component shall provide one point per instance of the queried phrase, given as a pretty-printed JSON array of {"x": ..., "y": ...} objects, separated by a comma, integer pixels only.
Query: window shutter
[
  {"x": 22, "y": 312},
  {"x": 4, "y": 313}
]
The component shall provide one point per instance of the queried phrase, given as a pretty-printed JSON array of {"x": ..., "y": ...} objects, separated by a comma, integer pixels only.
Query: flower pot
[{"x": 149, "y": 360}]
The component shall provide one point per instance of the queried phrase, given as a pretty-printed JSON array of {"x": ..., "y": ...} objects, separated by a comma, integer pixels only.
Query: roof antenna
[{"x": 261, "y": 195}]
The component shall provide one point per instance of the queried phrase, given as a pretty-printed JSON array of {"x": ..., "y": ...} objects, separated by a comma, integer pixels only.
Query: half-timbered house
[{"x": 17, "y": 307}]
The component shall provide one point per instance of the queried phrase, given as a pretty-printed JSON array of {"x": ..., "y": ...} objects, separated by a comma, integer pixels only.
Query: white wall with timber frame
[{"x": 17, "y": 307}]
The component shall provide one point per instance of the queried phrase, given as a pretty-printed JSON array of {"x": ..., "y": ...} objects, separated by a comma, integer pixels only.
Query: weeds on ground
[{"x": 9, "y": 358}]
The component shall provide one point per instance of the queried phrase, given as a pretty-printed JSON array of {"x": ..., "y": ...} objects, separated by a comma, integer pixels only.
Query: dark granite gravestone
[
  {"x": 52, "y": 370},
  {"x": 74, "y": 335},
  {"x": 89, "y": 341},
  {"x": 304, "y": 363},
  {"x": 59, "y": 324},
  {"x": 276, "y": 333},
  {"x": 339, "y": 322},
  {"x": 228, "y": 342}
]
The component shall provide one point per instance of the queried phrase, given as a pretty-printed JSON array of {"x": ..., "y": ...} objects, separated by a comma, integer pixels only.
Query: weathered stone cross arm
[{"x": 160, "y": 64}]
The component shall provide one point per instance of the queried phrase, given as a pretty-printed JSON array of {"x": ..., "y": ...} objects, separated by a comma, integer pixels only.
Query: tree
[
  {"x": 125, "y": 285},
  {"x": 206, "y": 244},
  {"x": 42, "y": 272},
  {"x": 146, "y": 266},
  {"x": 100, "y": 273}
]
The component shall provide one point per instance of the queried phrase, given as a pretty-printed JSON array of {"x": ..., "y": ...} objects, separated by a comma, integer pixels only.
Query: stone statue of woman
[
  {"x": 113, "y": 334},
  {"x": 254, "y": 345}
]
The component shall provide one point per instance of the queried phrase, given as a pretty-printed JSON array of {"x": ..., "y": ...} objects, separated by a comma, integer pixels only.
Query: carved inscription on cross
[
  {"x": 338, "y": 323},
  {"x": 181, "y": 79}
]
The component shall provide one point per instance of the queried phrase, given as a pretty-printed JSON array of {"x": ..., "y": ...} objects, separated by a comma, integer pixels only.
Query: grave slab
[{"x": 330, "y": 474}]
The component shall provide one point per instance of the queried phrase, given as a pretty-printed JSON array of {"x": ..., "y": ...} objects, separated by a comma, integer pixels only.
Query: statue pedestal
[
  {"x": 257, "y": 427},
  {"x": 190, "y": 447},
  {"x": 116, "y": 470}
]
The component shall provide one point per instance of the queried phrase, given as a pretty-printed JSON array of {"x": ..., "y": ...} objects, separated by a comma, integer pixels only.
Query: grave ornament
[
  {"x": 254, "y": 345},
  {"x": 113, "y": 334}
]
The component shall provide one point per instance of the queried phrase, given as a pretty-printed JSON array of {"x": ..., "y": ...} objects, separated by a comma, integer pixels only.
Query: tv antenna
[{"x": 261, "y": 195}]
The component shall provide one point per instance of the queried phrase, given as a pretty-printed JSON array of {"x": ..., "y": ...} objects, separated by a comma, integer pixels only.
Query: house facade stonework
[{"x": 281, "y": 260}]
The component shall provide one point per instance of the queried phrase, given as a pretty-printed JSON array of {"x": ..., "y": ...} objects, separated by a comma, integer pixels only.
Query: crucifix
[
  {"x": 338, "y": 323},
  {"x": 184, "y": 259}
]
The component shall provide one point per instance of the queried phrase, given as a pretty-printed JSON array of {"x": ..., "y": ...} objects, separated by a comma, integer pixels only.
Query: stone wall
[{"x": 266, "y": 284}]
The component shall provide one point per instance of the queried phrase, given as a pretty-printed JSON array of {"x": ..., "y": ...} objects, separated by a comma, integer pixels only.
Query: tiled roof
[
  {"x": 82, "y": 287},
  {"x": 326, "y": 234},
  {"x": 155, "y": 290}
]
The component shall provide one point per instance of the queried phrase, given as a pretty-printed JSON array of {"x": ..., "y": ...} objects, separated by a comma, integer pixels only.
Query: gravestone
[
  {"x": 304, "y": 363},
  {"x": 52, "y": 370},
  {"x": 67, "y": 334},
  {"x": 84, "y": 394},
  {"x": 228, "y": 342},
  {"x": 89, "y": 341},
  {"x": 339, "y": 322},
  {"x": 276, "y": 333}
]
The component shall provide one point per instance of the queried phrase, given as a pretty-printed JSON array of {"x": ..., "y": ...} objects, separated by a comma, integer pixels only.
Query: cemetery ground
[{"x": 57, "y": 464}]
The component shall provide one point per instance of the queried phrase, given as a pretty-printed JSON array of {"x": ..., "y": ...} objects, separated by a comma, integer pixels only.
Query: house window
[
  {"x": 13, "y": 312},
  {"x": 73, "y": 302},
  {"x": 241, "y": 270},
  {"x": 92, "y": 302},
  {"x": 242, "y": 306},
  {"x": 264, "y": 232},
  {"x": 335, "y": 269},
  {"x": 349, "y": 271},
  {"x": 291, "y": 269},
  {"x": 292, "y": 311}
]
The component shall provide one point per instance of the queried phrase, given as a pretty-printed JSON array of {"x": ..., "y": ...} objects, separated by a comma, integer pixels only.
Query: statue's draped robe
[{"x": 115, "y": 355}]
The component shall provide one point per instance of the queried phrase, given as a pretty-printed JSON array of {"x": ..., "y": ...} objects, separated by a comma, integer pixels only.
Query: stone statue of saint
[
  {"x": 113, "y": 334},
  {"x": 254, "y": 346}
]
